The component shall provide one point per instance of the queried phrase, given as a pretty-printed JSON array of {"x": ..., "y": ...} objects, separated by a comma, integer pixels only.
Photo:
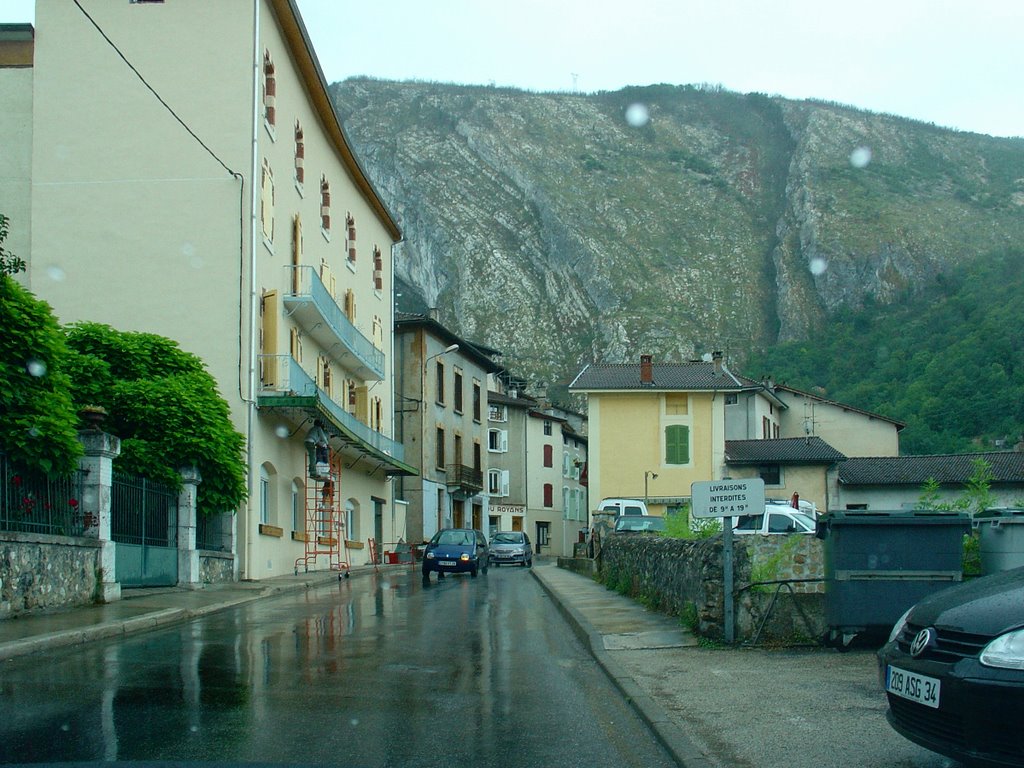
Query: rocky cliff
[{"x": 565, "y": 228}]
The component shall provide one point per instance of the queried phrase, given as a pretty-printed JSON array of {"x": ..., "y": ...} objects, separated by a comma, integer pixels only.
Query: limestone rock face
[{"x": 549, "y": 227}]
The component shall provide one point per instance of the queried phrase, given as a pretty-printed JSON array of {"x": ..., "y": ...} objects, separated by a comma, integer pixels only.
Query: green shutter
[{"x": 677, "y": 444}]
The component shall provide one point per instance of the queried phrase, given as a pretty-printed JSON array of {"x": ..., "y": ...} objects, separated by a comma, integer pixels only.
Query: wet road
[{"x": 377, "y": 670}]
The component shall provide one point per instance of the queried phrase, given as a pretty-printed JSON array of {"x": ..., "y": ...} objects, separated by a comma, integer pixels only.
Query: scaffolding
[{"x": 324, "y": 533}]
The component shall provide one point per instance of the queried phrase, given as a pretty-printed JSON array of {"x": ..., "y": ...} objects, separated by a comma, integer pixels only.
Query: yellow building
[
  {"x": 656, "y": 428},
  {"x": 190, "y": 178}
]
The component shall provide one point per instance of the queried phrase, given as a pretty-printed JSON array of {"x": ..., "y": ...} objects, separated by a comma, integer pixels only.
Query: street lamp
[{"x": 652, "y": 476}]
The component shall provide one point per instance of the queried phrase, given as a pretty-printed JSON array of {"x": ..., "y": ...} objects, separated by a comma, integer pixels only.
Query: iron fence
[
  {"x": 213, "y": 532},
  {"x": 143, "y": 512},
  {"x": 39, "y": 504}
]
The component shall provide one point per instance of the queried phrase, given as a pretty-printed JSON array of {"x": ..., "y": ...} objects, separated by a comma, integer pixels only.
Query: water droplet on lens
[
  {"x": 860, "y": 157},
  {"x": 818, "y": 265},
  {"x": 282, "y": 431},
  {"x": 56, "y": 274},
  {"x": 65, "y": 727},
  {"x": 36, "y": 368},
  {"x": 355, "y": 721},
  {"x": 34, "y": 432},
  {"x": 637, "y": 115}
]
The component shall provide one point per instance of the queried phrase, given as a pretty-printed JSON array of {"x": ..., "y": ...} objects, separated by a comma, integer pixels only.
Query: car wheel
[
  {"x": 472, "y": 572},
  {"x": 529, "y": 563}
]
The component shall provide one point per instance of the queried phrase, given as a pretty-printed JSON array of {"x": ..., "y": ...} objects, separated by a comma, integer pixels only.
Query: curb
[{"x": 668, "y": 733}]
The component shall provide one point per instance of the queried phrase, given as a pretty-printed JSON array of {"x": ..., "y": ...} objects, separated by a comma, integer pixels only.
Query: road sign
[{"x": 727, "y": 498}]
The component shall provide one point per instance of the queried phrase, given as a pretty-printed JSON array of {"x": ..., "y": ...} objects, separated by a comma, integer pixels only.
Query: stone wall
[
  {"x": 40, "y": 571},
  {"x": 685, "y": 578},
  {"x": 216, "y": 567}
]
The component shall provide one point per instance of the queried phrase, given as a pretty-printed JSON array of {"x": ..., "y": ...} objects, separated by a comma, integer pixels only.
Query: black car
[
  {"x": 953, "y": 671},
  {"x": 455, "y": 550}
]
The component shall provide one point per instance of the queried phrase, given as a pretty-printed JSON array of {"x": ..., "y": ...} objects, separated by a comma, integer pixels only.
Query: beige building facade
[{"x": 208, "y": 194}]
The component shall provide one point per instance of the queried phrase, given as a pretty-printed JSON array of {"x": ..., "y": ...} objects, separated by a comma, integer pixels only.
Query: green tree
[
  {"x": 165, "y": 407},
  {"x": 9, "y": 263},
  {"x": 38, "y": 422}
]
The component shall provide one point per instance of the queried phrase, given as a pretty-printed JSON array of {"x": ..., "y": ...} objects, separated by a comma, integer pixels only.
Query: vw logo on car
[{"x": 921, "y": 642}]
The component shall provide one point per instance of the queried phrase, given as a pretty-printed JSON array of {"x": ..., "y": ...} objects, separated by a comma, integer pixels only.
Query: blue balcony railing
[
  {"x": 282, "y": 375},
  {"x": 312, "y": 307}
]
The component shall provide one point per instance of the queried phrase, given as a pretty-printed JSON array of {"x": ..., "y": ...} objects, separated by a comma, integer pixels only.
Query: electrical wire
[{"x": 153, "y": 91}]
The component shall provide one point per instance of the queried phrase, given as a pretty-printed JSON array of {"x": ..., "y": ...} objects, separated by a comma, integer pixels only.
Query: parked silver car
[{"x": 512, "y": 547}]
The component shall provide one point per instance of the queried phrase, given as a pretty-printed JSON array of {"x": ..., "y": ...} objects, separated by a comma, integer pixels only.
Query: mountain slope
[{"x": 549, "y": 227}]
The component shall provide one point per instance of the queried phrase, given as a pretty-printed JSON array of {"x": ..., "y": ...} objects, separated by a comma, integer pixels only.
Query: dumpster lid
[
  {"x": 1003, "y": 514},
  {"x": 895, "y": 517}
]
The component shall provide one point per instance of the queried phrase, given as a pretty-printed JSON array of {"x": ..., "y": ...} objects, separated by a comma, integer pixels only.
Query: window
[
  {"x": 497, "y": 412},
  {"x": 267, "y": 203},
  {"x": 766, "y": 428},
  {"x": 676, "y": 405},
  {"x": 296, "y": 254},
  {"x": 350, "y": 241},
  {"x": 295, "y": 345},
  {"x": 300, "y": 156},
  {"x": 378, "y": 269},
  {"x": 477, "y": 397},
  {"x": 298, "y": 508},
  {"x": 477, "y": 456},
  {"x": 566, "y": 465},
  {"x": 771, "y": 474},
  {"x": 269, "y": 94},
  {"x": 565, "y": 502},
  {"x": 547, "y": 428},
  {"x": 352, "y": 519},
  {"x": 457, "y": 394},
  {"x": 264, "y": 495},
  {"x": 549, "y": 494},
  {"x": 378, "y": 332},
  {"x": 439, "y": 381},
  {"x": 325, "y": 207},
  {"x": 732, "y": 399},
  {"x": 497, "y": 482},
  {"x": 677, "y": 444},
  {"x": 439, "y": 448},
  {"x": 457, "y": 449},
  {"x": 350, "y": 306},
  {"x": 497, "y": 441},
  {"x": 324, "y": 374},
  {"x": 548, "y": 456}
]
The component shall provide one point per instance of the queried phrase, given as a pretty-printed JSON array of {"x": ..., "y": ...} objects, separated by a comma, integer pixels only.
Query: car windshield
[
  {"x": 640, "y": 524},
  {"x": 507, "y": 538},
  {"x": 453, "y": 537}
]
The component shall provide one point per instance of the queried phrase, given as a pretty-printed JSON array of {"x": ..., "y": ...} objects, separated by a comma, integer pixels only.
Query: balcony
[
  {"x": 464, "y": 479},
  {"x": 284, "y": 385},
  {"x": 312, "y": 307}
]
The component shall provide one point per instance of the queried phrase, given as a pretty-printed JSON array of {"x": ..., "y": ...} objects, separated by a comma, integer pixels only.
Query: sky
[{"x": 956, "y": 63}]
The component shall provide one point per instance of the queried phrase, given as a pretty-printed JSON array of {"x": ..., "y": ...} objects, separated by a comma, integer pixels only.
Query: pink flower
[
  {"x": 73, "y": 503},
  {"x": 16, "y": 479}
]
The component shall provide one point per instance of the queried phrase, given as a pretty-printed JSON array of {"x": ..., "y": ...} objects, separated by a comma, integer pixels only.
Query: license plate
[
  {"x": 912, "y": 686},
  {"x": 447, "y": 563}
]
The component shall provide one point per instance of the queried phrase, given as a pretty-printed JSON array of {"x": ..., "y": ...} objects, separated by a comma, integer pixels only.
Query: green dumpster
[
  {"x": 1001, "y": 539},
  {"x": 879, "y": 563}
]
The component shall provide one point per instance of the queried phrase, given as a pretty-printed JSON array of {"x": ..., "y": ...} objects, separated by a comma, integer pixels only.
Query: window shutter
[
  {"x": 504, "y": 482},
  {"x": 504, "y": 441},
  {"x": 677, "y": 444}
]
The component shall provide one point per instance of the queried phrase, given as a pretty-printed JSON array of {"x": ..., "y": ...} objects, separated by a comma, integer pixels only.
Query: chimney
[
  {"x": 716, "y": 358},
  {"x": 434, "y": 314},
  {"x": 646, "y": 370}
]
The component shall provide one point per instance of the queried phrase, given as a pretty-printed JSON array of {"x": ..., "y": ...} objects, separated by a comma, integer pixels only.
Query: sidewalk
[{"x": 607, "y": 622}]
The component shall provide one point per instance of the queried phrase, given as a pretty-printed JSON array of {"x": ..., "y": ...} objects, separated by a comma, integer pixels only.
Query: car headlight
[
  {"x": 429, "y": 555},
  {"x": 901, "y": 622},
  {"x": 1005, "y": 652},
  {"x": 464, "y": 557}
]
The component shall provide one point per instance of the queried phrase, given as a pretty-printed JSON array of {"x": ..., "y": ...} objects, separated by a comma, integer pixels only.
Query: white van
[{"x": 623, "y": 507}]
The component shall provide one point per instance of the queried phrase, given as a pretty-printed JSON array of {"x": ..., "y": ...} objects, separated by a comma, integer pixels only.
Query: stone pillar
[
  {"x": 98, "y": 465},
  {"x": 188, "y": 555}
]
